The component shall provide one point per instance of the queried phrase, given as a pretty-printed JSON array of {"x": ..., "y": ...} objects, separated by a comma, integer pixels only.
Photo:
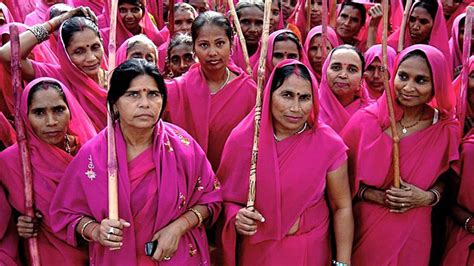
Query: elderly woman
[
  {"x": 166, "y": 186},
  {"x": 56, "y": 127},
  {"x": 301, "y": 179},
  {"x": 430, "y": 136},
  {"x": 214, "y": 95},
  {"x": 138, "y": 47}
]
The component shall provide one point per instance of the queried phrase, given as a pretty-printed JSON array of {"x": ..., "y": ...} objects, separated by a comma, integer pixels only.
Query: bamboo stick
[
  {"x": 33, "y": 253},
  {"x": 406, "y": 13},
  {"x": 258, "y": 105},
  {"x": 308, "y": 16},
  {"x": 466, "y": 52},
  {"x": 238, "y": 28},
  {"x": 324, "y": 29},
  {"x": 393, "y": 125},
  {"x": 333, "y": 15},
  {"x": 171, "y": 19}
]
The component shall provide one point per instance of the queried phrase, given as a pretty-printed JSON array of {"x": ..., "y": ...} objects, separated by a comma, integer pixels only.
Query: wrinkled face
[
  {"x": 282, "y": 50},
  {"x": 315, "y": 53},
  {"x": 251, "y": 20},
  {"x": 130, "y": 16},
  {"x": 450, "y": 6},
  {"x": 212, "y": 47},
  {"x": 181, "y": 59},
  {"x": 344, "y": 73},
  {"x": 291, "y": 104},
  {"x": 49, "y": 116},
  {"x": 420, "y": 26},
  {"x": 275, "y": 16},
  {"x": 142, "y": 51},
  {"x": 183, "y": 20},
  {"x": 288, "y": 6},
  {"x": 316, "y": 12},
  {"x": 85, "y": 51},
  {"x": 140, "y": 106},
  {"x": 374, "y": 75},
  {"x": 461, "y": 37},
  {"x": 348, "y": 23},
  {"x": 413, "y": 82},
  {"x": 200, "y": 6}
]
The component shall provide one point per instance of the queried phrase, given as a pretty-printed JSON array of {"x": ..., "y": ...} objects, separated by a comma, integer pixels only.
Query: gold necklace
[
  {"x": 405, "y": 128},
  {"x": 297, "y": 133}
]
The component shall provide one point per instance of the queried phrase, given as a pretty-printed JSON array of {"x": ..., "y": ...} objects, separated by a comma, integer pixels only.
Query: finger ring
[
  {"x": 166, "y": 258},
  {"x": 108, "y": 236},
  {"x": 111, "y": 230},
  {"x": 403, "y": 205}
]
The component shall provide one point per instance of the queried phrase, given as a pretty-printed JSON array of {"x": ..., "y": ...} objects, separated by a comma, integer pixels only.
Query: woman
[
  {"x": 349, "y": 22},
  {"x": 40, "y": 14},
  {"x": 213, "y": 96},
  {"x": 138, "y": 46},
  {"x": 313, "y": 48},
  {"x": 8, "y": 236},
  {"x": 290, "y": 224},
  {"x": 430, "y": 135},
  {"x": 452, "y": 9},
  {"x": 167, "y": 188},
  {"x": 374, "y": 70},
  {"x": 180, "y": 55},
  {"x": 456, "y": 43},
  {"x": 56, "y": 127},
  {"x": 7, "y": 133},
  {"x": 342, "y": 92}
]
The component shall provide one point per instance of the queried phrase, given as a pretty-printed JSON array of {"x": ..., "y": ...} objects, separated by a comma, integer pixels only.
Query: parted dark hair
[
  {"x": 76, "y": 24},
  {"x": 360, "y": 7},
  {"x": 416, "y": 53},
  {"x": 355, "y": 49},
  {"x": 123, "y": 76},
  {"x": 430, "y": 6},
  {"x": 289, "y": 36},
  {"x": 138, "y": 3},
  {"x": 178, "y": 40},
  {"x": 46, "y": 85},
  {"x": 249, "y": 3},
  {"x": 281, "y": 74},
  {"x": 58, "y": 9},
  {"x": 211, "y": 18}
]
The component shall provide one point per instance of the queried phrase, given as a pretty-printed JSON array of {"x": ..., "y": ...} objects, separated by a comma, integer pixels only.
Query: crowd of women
[{"x": 182, "y": 101}]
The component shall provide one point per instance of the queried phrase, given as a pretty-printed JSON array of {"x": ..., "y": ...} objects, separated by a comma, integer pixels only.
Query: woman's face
[
  {"x": 420, "y": 25},
  {"x": 181, "y": 59},
  {"x": 288, "y": 6},
  {"x": 316, "y": 12},
  {"x": 291, "y": 104},
  {"x": 413, "y": 82},
  {"x": 86, "y": 51},
  {"x": 251, "y": 21},
  {"x": 450, "y": 6},
  {"x": 344, "y": 73},
  {"x": 212, "y": 48},
  {"x": 49, "y": 116},
  {"x": 461, "y": 37},
  {"x": 315, "y": 53},
  {"x": 140, "y": 106},
  {"x": 142, "y": 51},
  {"x": 130, "y": 16},
  {"x": 183, "y": 20},
  {"x": 348, "y": 23},
  {"x": 275, "y": 16},
  {"x": 282, "y": 50},
  {"x": 200, "y": 6},
  {"x": 374, "y": 75}
]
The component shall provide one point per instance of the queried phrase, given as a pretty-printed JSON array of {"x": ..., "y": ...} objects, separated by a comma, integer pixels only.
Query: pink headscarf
[
  {"x": 455, "y": 49},
  {"x": 376, "y": 52},
  {"x": 7, "y": 133},
  {"x": 97, "y": 6},
  {"x": 461, "y": 9},
  {"x": 39, "y": 15},
  {"x": 122, "y": 51},
  {"x": 237, "y": 55},
  {"x": 332, "y": 111},
  {"x": 6, "y": 13},
  {"x": 8, "y": 233},
  {"x": 331, "y": 37}
]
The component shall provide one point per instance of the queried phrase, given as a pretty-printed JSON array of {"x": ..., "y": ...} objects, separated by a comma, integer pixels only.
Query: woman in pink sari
[
  {"x": 213, "y": 96},
  {"x": 180, "y": 56},
  {"x": 452, "y": 9},
  {"x": 8, "y": 236},
  {"x": 300, "y": 162},
  {"x": 7, "y": 133},
  {"x": 374, "y": 73},
  {"x": 6, "y": 16},
  {"x": 456, "y": 43},
  {"x": 56, "y": 127},
  {"x": 341, "y": 90},
  {"x": 166, "y": 186},
  {"x": 394, "y": 224},
  {"x": 40, "y": 13},
  {"x": 138, "y": 46},
  {"x": 313, "y": 48}
]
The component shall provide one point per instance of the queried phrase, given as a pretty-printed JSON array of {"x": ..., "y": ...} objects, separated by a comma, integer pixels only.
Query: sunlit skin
[
  {"x": 291, "y": 105},
  {"x": 374, "y": 78},
  {"x": 315, "y": 54},
  {"x": 251, "y": 20},
  {"x": 287, "y": 7},
  {"x": 49, "y": 116},
  {"x": 212, "y": 48},
  {"x": 275, "y": 16},
  {"x": 183, "y": 20},
  {"x": 420, "y": 25},
  {"x": 284, "y": 50},
  {"x": 344, "y": 75},
  {"x": 142, "y": 51},
  {"x": 200, "y": 6},
  {"x": 413, "y": 82},
  {"x": 130, "y": 16},
  {"x": 85, "y": 51},
  {"x": 181, "y": 59},
  {"x": 348, "y": 24}
]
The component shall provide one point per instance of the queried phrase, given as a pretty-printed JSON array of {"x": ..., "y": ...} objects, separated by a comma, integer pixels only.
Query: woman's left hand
[
  {"x": 407, "y": 197},
  {"x": 168, "y": 240}
]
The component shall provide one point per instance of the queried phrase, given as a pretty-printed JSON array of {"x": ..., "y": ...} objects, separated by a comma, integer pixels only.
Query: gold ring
[
  {"x": 403, "y": 205},
  {"x": 108, "y": 236},
  {"x": 111, "y": 230},
  {"x": 166, "y": 258}
]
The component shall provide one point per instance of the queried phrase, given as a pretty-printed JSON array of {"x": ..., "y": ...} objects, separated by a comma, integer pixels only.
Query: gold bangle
[
  {"x": 198, "y": 214},
  {"x": 83, "y": 229},
  {"x": 466, "y": 223}
]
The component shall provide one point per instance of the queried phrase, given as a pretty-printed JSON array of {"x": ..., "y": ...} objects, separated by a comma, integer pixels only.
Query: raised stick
[
  {"x": 466, "y": 52},
  {"x": 33, "y": 253},
  {"x": 171, "y": 19},
  {"x": 393, "y": 125},
  {"x": 238, "y": 28},
  {"x": 333, "y": 15},
  {"x": 258, "y": 105},
  {"x": 406, "y": 13},
  {"x": 324, "y": 28},
  {"x": 308, "y": 16}
]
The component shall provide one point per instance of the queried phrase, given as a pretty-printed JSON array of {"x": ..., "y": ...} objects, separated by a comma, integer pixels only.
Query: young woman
[
  {"x": 180, "y": 55},
  {"x": 313, "y": 47}
]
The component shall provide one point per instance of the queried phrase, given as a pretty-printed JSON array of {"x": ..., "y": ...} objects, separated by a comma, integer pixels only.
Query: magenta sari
[
  {"x": 455, "y": 49},
  {"x": 8, "y": 234},
  {"x": 7, "y": 133},
  {"x": 424, "y": 156},
  {"x": 39, "y": 14},
  {"x": 237, "y": 55},
  {"x": 155, "y": 188},
  {"x": 209, "y": 118},
  {"x": 373, "y": 53},
  {"x": 48, "y": 166},
  {"x": 291, "y": 183}
]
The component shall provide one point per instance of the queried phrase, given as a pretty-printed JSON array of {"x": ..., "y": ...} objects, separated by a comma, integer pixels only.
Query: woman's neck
[
  {"x": 252, "y": 49},
  {"x": 137, "y": 138},
  {"x": 345, "y": 100},
  {"x": 281, "y": 133},
  {"x": 216, "y": 79},
  {"x": 413, "y": 113}
]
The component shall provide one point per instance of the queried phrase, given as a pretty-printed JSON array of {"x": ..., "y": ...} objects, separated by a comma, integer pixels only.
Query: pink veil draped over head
[
  {"x": 376, "y": 52},
  {"x": 331, "y": 37}
]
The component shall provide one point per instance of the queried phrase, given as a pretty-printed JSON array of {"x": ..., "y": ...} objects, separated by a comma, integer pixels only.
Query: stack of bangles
[
  {"x": 362, "y": 190},
  {"x": 198, "y": 214},
  {"x": 83, "y": 229},
  {"x": 337, "y": 263},
  {"x": 437, "y": 196},
  {"x": 41, "y": 33}
]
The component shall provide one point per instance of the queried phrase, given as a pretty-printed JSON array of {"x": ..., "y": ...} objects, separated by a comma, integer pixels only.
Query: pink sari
[
  {"x": 46, "y": 175},
  {"x": 383, "y": 237},
  {"x": 8, "y": 235},
  {"x": 332, "y": 112},
  {"x": 155, "y": 188},
  {"x": 6, "y": 14},
  {"x": 285, "y": 191},
  {"x": 39, "y": 14},
  {"x": 237, "y": 55},
  {"x": 97, "y": 6},
  {"x": 7, "y": 133},
  {"x": 373, "y": 53},
  {"x": 455, "y": 50},
  {"x": 209, "y": 118},
  {"x": 461, "y": 9},
  {"x": 121, "y": 55}
]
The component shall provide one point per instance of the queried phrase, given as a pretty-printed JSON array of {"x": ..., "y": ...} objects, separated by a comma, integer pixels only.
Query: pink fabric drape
[
  {"x": 424, "y": 156},
  {"x": 455, "y": 49},
  {"x": 39, "y": 14},
  {"x": 8, "y": 235},
  {"x": 153, "y": 190},
  {"x": 6, "y": 14},
  {"x": 291, "y": 182},
  {"x": 96, "y": 6},
  {"x": 7, "y": 133},
  {"x": 209, "y": 118},
  {"x": 121, "y": 55},
  {"x": 46, "y": 176},
  {"x": 376, "y": 52},
  {"x": 237, "y": 55},
  {"x": 19, "y": 12},
  {"x": 461, "y": 9}
]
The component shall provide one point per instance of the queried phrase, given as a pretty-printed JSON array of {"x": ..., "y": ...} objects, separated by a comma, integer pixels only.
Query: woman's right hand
[
  {"x": 28, "y": 226},
  {"x": 246, "y": 221},
  {"x": 80, "y": 11},
  {"x": 110, "y": 232}
]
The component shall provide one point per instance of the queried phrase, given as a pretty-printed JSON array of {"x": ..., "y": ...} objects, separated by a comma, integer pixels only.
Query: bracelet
[
  {"x": 437, "y": 196},
  {"x": 83, "y": 228},
  {"x": 362, "y": 191},
  {"x": 198, "y": 214},
  {"x": 466, "y": 223},
  {"x": 338, "y": 263},
  {"x": 40, "y": 32}
]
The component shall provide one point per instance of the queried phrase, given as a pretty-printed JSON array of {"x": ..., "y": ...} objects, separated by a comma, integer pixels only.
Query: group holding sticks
[{"x": 284, "y": 144}]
